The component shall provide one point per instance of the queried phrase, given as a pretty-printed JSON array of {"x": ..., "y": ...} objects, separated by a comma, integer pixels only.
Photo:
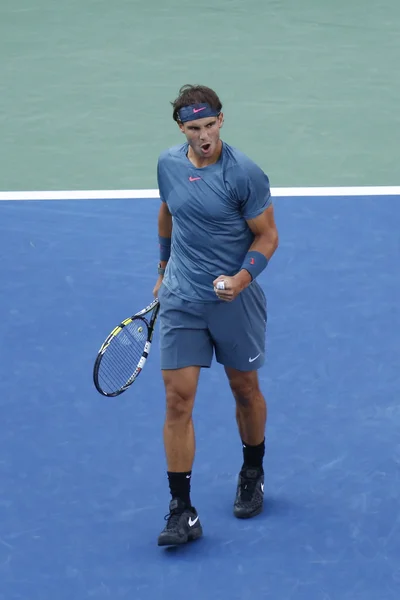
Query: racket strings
[{"x": 122, "y": 356}]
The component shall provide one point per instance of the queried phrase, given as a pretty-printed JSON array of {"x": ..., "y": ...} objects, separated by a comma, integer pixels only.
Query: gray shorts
[{"x": 190, "y": 332}]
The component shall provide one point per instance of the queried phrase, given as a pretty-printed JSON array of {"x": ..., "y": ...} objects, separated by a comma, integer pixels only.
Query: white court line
[{"x": 136, "y": 194}]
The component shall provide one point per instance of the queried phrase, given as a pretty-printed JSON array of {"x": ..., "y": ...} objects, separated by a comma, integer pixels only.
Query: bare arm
[
  {"x": 164, "y": 230},
  {"x": 265, "y": 242},
  {"x": 266, "y": 239},
  {"x": 164, "y": 224}
]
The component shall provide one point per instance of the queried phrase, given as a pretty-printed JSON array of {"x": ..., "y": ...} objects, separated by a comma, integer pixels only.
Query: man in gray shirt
[{"x": 216, "y": 232}]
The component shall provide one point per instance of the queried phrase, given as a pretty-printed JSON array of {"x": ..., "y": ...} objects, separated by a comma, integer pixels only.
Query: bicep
[
  {"x": 164, "y": 210},
  {"x": 164, "y": 221},
  {"x": 264, "y": 224}
]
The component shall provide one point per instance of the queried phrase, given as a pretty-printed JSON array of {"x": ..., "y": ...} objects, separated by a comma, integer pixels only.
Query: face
[{"x": 203, "y": 135}]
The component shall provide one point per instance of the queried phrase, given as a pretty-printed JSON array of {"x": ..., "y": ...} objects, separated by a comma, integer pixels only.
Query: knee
[
  {"x": 179, "y": 406},
  {"x": 180, "y": 390},
  {"x": 245, "y": 391}
]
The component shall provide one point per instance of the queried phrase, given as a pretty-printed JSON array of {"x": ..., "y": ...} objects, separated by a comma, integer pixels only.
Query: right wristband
[{"x": 254, "y": 262}]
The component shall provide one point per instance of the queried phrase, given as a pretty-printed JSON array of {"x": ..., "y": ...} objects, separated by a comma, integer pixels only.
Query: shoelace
[{"x": 172, "y": 518}]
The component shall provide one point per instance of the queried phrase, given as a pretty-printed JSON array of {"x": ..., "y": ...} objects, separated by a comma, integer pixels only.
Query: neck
[{"x": 199, "y": 161}]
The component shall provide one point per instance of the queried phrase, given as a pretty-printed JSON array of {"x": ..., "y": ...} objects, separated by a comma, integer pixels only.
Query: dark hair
[{"x": 195, "y": 94}]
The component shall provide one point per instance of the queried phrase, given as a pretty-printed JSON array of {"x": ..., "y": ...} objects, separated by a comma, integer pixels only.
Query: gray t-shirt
[{"x": 209, "y": 208}]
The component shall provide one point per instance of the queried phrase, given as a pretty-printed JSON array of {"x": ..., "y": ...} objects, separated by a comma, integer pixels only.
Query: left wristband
[{"x": 165, "y": 247}]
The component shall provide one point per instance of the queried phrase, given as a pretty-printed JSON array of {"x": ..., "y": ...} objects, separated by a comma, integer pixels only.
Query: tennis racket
[{"x": 123, "y": 354}]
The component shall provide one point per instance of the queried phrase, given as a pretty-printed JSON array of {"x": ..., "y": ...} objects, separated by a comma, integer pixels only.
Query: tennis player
[{"x": 217, "y": 233}]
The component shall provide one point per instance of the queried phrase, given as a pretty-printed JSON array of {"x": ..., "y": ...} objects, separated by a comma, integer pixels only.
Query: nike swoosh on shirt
[{"x": 194, "y": 178}]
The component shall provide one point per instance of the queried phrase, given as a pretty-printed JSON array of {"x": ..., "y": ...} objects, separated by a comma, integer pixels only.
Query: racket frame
[{"x": 150, "y": 325}]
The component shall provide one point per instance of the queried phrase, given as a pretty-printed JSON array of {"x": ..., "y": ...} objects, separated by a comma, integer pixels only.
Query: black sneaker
[
  {"x": 249, "y": 499},
  {"x": 183, "y": 525}
]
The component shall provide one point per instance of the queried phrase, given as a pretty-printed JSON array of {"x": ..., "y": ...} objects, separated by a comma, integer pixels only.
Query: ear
[
  {"x": 221, "y": 119},
  {"x": 181, "y": 127}
]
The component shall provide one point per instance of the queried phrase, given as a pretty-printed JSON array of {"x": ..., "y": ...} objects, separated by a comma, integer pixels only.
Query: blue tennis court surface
[{"x": 83, "y": 488}]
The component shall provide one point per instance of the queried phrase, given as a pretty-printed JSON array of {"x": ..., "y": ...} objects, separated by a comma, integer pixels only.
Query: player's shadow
[
  {"x": 274, "y": 506},
  {"x": 190, "y": 548},
  {"x": 277, "y": 506}
]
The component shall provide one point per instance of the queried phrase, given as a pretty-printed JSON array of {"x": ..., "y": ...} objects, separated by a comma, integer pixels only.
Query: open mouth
[{"x": 206, "y": 147}]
